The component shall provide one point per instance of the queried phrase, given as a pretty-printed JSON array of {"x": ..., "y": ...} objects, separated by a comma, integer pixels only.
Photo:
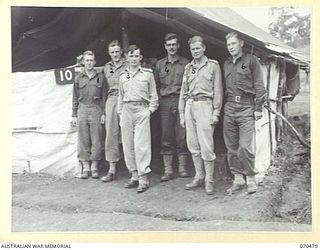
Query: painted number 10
[{"x": 65, "y": 75}]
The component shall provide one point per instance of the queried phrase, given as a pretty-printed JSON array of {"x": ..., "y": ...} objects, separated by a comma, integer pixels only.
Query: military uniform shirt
[
  {"x": 244, "y": 78},
  {"x": 138, "y": 87},
  {"x": 169, "y": 75},
  {"x": 89, "y": 91},
  {"x": 112, "y": 74},
  {"x": 202, "y": 81}
]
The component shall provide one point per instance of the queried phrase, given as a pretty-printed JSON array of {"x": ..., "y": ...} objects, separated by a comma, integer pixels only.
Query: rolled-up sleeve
[
  {"x": 104, "y": 92},
  {"x": 75, "y": 99},
  {"x": 218, "y": 91},
  {"x": 120, "y": 97},
  {"x": 260, "y": 90},
  {"x": 156, "y": 77},
  {"x": 184, "y": 89},
  {"x": 153, "y": 96}
]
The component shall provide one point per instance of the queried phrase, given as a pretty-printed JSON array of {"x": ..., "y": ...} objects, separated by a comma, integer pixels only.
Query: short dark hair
[
  {"x": 132, "y": 48},
  {"x": 234, "y": 34},
  {"x": 170, "y": 36}
]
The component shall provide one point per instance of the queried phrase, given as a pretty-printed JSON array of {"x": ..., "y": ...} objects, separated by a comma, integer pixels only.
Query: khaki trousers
[
  {"x": 199, "y": 129},
  {"x": 90, "y": 133},
  {"x": 136, "y": 137},
  {"x": 113, "y": 138}
]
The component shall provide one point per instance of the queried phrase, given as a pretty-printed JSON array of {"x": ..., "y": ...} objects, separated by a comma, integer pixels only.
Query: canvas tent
[{"x": 45, "y": 40}]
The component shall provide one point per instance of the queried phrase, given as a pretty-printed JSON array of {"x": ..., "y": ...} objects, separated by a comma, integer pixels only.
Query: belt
[
  {"x": 170, "y": 96},
  {"x": 90, "y": 105},
  {"x": 200, "y": 98},
  {"x": 136, "y": 103},
  {"x": 240, "y": 99}
]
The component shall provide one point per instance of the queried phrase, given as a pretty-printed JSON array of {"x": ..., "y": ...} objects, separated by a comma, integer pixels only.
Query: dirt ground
[{"x": 43, "y": 203}]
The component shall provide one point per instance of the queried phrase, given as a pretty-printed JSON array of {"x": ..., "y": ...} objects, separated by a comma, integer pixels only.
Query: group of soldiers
[{"x": 189, "y": 96}]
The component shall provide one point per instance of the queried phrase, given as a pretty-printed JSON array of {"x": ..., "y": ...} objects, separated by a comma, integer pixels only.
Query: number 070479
[{"x": 308, "y": 246}]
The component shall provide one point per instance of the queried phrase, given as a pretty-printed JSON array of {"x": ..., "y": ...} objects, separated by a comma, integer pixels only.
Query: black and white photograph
[{"x": 145, "y": 119}]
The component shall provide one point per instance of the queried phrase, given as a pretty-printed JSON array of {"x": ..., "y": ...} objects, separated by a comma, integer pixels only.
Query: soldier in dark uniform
[
  {"x": 244, "y": 96},
  {"x": 88, "y": 113},
  {"x": 168, "y": 76}
]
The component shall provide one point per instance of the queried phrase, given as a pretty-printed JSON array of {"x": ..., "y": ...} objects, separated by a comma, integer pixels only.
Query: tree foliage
[{"x": 290, "y": 26}]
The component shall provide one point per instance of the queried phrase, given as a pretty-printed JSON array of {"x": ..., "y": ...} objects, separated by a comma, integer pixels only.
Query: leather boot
[
  {"x": 199, "y": 177},
  {"x": 133, "y": 182},
  {"x": 183, "y": 159},
  {"x": 168, "y": 171},
  {"x": 194, "y": 184},
  {"x": 111, "y": 173},
  {"x": 209, "y": 169},
  {"x": 251, "y": 184},
  {"x": 94, "y": 169},
  {"x": 143, "y": 183},
  {"x": 237, "y": 184},
  {"x": 85, "y": 171}
]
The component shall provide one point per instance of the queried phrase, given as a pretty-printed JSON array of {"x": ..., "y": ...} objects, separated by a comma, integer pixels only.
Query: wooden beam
[{"x": 124, "y": 29}]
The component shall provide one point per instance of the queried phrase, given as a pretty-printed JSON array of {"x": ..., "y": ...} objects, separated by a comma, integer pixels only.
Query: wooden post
[
  {"x": 279, "y": 123},
  {"x": 269, "y": 114},
  {"x": 285, "y": 101},
  {"x": 124, "y": 29}
]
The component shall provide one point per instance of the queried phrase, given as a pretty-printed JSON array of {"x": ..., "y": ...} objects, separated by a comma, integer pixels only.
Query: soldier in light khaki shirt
[
  {"x": 138, "y": 99},
  {"x": 112, "y": 72},
  {"x": 199, "y": 107}
]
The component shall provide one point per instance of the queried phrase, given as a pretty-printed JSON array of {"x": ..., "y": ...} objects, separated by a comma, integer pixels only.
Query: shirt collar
[
  {"x": 139, "y": 69},
  {"x": 83, "y": 73},
  {"x": 177, "y": 60},
  {"x": 238, "y": 59},
  {"x": 111, "y": 64},
  {"x": 205, "y": 62}
]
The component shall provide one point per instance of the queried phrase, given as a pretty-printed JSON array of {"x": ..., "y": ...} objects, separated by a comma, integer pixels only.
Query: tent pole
[
  {"x": 124, "y": 29},
  {"x": 269, "y": 113}
]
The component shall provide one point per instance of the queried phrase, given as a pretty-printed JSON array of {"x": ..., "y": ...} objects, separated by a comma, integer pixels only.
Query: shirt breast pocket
[
  {"x": 244, "y": 81},
  {"x": 98, "y": 89},
  {"x": 190, "y": 78},
  {"x": 208, "y": 81},
  {"x": 142, "y": 85},
  {"x": 163, "y": 77},
  {"x": 82, "y": 89},
  {"x": 178, "y": 78},
  {"x": 108, "y": 74},
  {"x": 243, "y": 75}
]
